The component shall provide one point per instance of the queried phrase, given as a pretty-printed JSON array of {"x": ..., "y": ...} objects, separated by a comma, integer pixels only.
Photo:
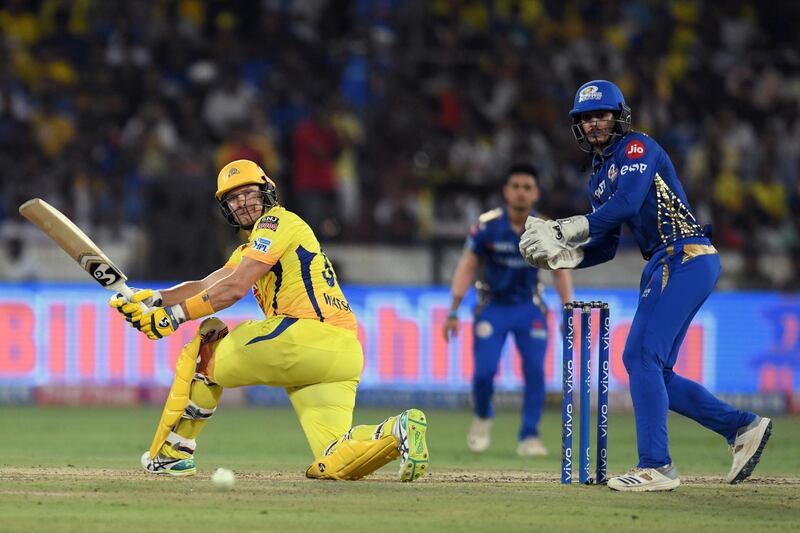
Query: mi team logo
[
  {"x": 590, "y": 92},
  {"x": 612, "y": 172}
]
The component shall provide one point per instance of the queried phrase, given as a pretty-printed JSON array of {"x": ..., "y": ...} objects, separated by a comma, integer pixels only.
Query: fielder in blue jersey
[
  {"x": 509, "y": 301},
  {"x": 633, "y": 182}
]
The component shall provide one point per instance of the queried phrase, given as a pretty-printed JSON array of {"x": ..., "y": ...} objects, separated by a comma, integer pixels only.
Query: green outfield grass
[{"x": 77, "y": 470}]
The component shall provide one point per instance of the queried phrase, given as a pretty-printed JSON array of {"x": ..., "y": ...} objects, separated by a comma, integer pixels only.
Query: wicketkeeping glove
[
  {"x": 160, "y": 322},
  {"x": 132, "y": 309},
  {"x": 543, "y": 240},
  {"x": 566, "y": 259}
]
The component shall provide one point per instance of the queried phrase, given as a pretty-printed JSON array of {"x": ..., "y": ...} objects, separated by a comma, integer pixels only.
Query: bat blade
[{"x": 76, "y": 243}]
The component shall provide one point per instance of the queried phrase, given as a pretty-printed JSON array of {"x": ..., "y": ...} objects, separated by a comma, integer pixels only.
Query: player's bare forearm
[
  {"x": 187, "y": 289},
  {"x": 233, "y": 285},
  {"x": 562, "y": 280},
  {"x": 463, "y": 277}
]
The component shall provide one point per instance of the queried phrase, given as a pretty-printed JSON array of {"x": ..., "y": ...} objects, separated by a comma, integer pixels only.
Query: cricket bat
[{"x": 75, "y": 242}]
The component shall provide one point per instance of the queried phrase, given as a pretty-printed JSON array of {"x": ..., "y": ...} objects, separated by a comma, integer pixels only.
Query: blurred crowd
[{"x": 389, "y": 120}]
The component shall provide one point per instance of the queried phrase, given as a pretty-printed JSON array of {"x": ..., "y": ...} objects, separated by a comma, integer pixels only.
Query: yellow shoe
[{"x": 410, "y": 428}]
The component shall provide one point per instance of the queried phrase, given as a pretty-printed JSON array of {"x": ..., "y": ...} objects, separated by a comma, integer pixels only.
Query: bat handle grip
[{"x": 126, "y": 291}]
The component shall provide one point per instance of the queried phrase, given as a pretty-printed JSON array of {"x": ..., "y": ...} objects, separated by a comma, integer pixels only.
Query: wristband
[
  {"x": 198, "y": 305},
  {"x": 452, "y": 314}
]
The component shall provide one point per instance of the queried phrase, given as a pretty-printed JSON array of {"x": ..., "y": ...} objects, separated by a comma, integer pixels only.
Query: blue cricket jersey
[
  {"x": 634, "y": 183},
  {"x": 506, "y": 275}
]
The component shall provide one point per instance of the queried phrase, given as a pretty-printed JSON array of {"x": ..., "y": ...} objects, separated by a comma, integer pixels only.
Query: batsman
[{"x": 306, "y": 343}]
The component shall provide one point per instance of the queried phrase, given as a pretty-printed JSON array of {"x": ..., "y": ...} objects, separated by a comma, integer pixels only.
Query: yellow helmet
[
  {"x": 238, "y": 173},
  {"x": 244, "y": 172}
]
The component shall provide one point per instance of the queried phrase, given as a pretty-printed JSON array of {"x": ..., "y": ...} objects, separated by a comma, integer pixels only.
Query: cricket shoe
[
  {"x": 410, "y": 428},
  {"x": 531, "y": 447},
  {"x": 168, "y": 465},
  {"x": 747, "y": 448},
  {"x": 480, "y": 435},
  {"x": 646, "y": 480}
]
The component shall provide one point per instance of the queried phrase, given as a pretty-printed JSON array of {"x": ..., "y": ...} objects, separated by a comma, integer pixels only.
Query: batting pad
[
  {"x": 178, "y": 399},
  {"x": 354, "y": 459}
]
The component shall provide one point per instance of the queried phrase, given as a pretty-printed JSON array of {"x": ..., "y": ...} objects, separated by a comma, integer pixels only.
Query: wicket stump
[{"x": 568, "y": 378}]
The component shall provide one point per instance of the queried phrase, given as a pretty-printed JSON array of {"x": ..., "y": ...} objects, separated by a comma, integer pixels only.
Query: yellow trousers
[{"x": 318, "y": 364}]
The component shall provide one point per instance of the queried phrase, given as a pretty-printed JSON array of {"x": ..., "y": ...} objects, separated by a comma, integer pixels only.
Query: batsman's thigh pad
[
  {"x": 210, "y": 331},
  {"x": 287, "y": 352},
  {"x": 353, "y": 459}
]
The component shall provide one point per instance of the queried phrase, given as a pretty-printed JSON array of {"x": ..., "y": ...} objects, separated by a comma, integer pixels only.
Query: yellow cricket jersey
[{"x": 301, "y": 282}]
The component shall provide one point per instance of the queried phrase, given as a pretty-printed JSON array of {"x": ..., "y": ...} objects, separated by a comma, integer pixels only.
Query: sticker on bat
[{"x": 101, "y": 271}]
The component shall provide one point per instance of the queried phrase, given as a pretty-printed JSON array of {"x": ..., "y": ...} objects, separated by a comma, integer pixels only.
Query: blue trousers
[
  {"x": 529, "y": 326},
  {"x": 671, "y": 293}
]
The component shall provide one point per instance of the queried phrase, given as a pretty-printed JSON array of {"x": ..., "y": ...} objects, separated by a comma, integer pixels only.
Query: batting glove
[
  {"x": 161, "y": 321},
  {"x": 133, "y": 309}
]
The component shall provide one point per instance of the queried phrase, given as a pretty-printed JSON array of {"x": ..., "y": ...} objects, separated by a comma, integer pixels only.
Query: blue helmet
[{"x": 599, "y": 95}]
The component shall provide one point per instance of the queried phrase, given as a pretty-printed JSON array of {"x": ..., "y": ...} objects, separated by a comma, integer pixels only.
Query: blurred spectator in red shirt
[{"x": 316, "y": 150}]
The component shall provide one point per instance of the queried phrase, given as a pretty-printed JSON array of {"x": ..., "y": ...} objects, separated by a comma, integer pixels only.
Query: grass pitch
[{"x": 77, "y": 470}]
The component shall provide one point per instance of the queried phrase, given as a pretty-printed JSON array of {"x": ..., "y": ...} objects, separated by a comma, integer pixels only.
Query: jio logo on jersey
[{"x": 634, "y": 150}]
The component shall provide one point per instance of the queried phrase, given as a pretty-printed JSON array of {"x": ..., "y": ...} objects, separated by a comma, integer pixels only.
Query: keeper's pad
[
  {"x": 189, "y": 362},
  {"x": 354, "y": 459}
]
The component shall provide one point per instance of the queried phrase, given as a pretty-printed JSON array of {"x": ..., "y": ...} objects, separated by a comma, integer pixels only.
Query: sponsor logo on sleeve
[
  {"x": 261, "y": 244},
  {"x": 613, "y": 172},
  {"x": 598, "y": 192},
  {"x": 268, "y": 222},
  {"x": 590, "y": 93},
  {"x": 634, "y": 150}
]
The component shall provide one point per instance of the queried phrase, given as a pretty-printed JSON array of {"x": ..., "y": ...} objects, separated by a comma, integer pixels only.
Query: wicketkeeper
[
  {"x": 307, "y": 343},
  {"x": 633, "y": 182}
]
